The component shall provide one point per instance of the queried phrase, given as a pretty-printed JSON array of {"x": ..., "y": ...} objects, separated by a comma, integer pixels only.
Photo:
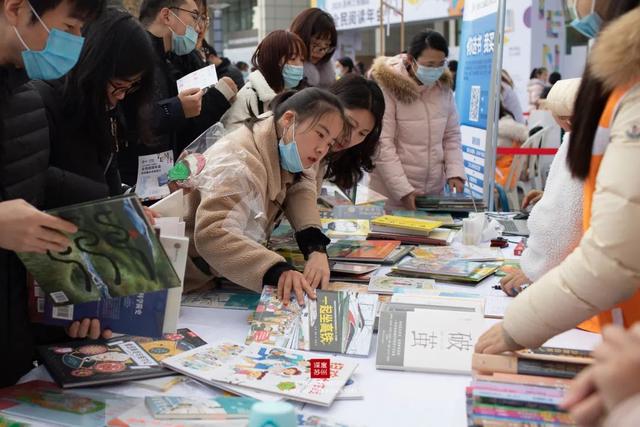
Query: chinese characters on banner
[
  {"x": 477, "y": 47},
  {"x": 352, "y": 14}
]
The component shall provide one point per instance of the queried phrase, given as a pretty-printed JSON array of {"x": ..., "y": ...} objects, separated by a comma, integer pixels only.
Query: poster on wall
[
  {"x": 351, "y": 14},
  {"x": 473, "y": 84}
]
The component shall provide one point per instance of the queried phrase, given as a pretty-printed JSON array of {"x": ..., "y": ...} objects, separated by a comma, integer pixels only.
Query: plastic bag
[{"x": 192, "y": 161}]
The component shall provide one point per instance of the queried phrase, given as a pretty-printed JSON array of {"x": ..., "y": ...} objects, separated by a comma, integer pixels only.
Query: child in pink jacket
[{"x": 420, "y": 148}]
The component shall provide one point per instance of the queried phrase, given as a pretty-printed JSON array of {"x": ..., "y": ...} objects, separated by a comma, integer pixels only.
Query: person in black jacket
[
  {"x": 116, "y": 62},
  {"x": 171, "y": 26},
  {"x": 24, "y": 154}
]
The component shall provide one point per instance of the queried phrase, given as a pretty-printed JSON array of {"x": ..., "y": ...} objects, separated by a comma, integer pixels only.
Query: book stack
[
  {"x": 450, "y": 204},
  {"x": 409, "y": 230},
  {"x": 524, "y": 388},
  {"x": 376, "y": 251}
]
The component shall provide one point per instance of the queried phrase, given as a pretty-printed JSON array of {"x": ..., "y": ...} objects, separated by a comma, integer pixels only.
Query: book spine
[
  {"x": 521, "y": 414},
  {"x": 490, "y": 363}
]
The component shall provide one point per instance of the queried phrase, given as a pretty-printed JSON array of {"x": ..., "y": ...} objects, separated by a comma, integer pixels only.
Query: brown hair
[
  {"x": 273, "y": 52},
  {"x": 315, "y": 22}
]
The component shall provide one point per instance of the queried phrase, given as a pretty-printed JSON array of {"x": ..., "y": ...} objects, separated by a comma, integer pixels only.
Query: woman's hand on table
[
  {"x": 88, "y": 328},
  {"x": 456, "y": 184},
  {"x": 512, "y": 283},
  {"x": 496, "y": 340},
  {"x": 316, "y": 271},
  {"x": 292, "y": 280}
]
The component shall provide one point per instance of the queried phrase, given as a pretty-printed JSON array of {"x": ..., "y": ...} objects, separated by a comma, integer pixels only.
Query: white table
[{"x": 391, "y": 398}]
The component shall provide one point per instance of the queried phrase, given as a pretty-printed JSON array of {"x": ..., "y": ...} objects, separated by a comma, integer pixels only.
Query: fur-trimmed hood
[
  {"x": 615, "y": 59},
  {"x": 392, "y": 74}
]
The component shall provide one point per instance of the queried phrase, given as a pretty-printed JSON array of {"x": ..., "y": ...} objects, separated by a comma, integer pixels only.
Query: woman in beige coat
[
  {"x": 253, "y": 176},
  {"x": 604, "y": 270}
]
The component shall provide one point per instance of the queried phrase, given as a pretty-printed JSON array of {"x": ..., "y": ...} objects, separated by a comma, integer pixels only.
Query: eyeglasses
[
  {"x": 124, "y": 90},
  {"x": 198, "y": 18},
  {"x": 320, "y": 49}
]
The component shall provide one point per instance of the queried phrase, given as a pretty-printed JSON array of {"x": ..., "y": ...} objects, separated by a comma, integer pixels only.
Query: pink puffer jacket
[{"x": 420, "y": 142}]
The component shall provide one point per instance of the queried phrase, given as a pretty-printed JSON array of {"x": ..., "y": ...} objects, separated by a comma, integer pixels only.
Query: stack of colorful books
[{"x": 523, "y": 389}]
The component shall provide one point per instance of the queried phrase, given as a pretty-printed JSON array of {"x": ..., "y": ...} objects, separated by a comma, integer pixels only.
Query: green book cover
[{"x": 115, "y": 253}]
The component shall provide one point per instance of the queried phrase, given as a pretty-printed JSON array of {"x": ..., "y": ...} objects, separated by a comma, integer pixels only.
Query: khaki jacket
[
  {"x": 605, "y": 268},
  {"x": 231, "y": 217}
]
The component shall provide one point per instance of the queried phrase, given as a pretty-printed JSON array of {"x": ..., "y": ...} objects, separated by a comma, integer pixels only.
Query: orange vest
[{"x": 627, "y": 312}]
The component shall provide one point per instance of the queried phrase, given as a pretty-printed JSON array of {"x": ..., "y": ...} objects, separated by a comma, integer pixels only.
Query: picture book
[
  {"x": 89, "y": 362},
  {"x": 366, "y": 212},
  {"x": 456, "y": 270},
  {"x": 351, "y": 390},
  {"x": 403, "y": 225},
  {"x": 44, "y": 403},
  {"x": 345, "y": 228},
  {"x": 216, "y": 298},
  {"x": 446, "y": 219},
  {"x": 388, "y": 284},
  {"x": 115, "y": 253},
  {"x": 216, "y": 408},
  {"x": 457, "y": 252},
  {"x": 362, "y": 250},
  {"x": 278, "y": 371},
  {"x": 428, "y": 339},
  {"x": 337, "y": 322},
  {"x": 352, "y": 268},
  {"x": 141, "y": 314},
  {"x": 351, "y": 278},
  {"x": 509, "y": 266}
]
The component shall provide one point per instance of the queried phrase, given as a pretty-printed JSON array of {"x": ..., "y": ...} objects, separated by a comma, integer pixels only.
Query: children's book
[
  {"x": 337, "y": 322},
  {"x": 366, "y": 212},
  {"x": 509, "y": 266},
  {"x": 402, "y": 225},
  {"x": 352, "y": 268},
  {"x": 115, "y": 253},
  {"x": 457, "y": 252},
  {"x": 389, "y": 284},
  {"x": 445, "y": 218},
  {"x": 277, "y": 371},
  {"x": 364, "y": 250},
  {"x": 351, "y": 390},
  {"x": 214, "y": 408},
  {"x": 44, "y": 403},
  {"x": 437, "y": 237},
  {"x": 456, "y": 270},
  {"x": 216, "y": 298},
  {"x": 89, "y": 362},
  {"x": 428, "y": 338},
  {"x": 345, "y": 228}
]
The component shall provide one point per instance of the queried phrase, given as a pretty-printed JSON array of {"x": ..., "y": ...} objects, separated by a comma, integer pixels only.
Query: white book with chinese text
[{"x": 431, "y": 338}]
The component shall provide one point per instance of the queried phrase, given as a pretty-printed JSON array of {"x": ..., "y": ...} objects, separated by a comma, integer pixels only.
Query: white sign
[{"x": 202, "y": 78}]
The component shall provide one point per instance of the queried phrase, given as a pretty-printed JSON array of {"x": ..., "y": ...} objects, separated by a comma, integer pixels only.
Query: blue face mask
[
  {"x": 588, "y": 26},
  {"x": 289, "y": 155},
  {"x": 292, "y": 74},
  {"x": 183, "y": 45},
  {"x": 59, "y": 56},
  {"x": 429, "y": 75}
]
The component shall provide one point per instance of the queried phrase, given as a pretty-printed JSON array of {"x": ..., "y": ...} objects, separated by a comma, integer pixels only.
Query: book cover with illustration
[
  {"x": 456, "y": 270},
  {"x": 217, "y": 298},
  {"x": 115, "y": 253},
  {"x": 337, "y": 321},
  {"x": 362, "y": 250},
  {"x": 44, "y": 403},
  {"x": 457, "y": 252},
  {"x": 277, "y": 371},
  {"x": 345, "y": 228},
  {"x": 213, "y": 408},
  {"x": 96, "y": 362},
  {"x": 388, "y": 284},
  {"x": 428, "y": 339}
]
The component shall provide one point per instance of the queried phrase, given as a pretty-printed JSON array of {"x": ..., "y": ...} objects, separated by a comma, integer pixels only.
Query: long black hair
[
  {"x": 116, "y": 47},
  {"x": 346, "y": 167},
  {"x": 592, "y": 99}
]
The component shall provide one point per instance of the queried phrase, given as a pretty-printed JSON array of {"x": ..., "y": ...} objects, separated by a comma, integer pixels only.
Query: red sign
[{"x": 320, "y": 368}]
